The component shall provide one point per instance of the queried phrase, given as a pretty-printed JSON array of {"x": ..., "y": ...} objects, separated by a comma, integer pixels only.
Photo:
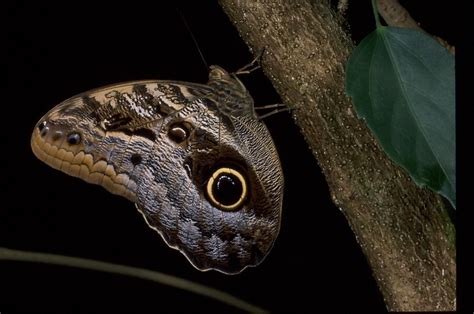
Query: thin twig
[{"x": 172, "y": 281}]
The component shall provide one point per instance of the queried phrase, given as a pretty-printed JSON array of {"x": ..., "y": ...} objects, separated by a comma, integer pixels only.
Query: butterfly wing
[
  {"x": 202, "y": 170},
  {"x": 176, "y": 198},
  {"x": 117, "y": 128}
]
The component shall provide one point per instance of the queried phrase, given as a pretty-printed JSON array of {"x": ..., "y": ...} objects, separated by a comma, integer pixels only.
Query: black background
[{"x": 56, "y": 50}]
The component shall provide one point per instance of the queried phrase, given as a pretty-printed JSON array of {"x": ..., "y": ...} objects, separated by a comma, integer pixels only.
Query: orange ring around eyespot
[{"x": 211, "y": 181}]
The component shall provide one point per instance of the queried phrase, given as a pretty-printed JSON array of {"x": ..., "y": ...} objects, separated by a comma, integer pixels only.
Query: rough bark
[
  {"x": 395, "y": 14},
  {"x": 403, "y": 230}
]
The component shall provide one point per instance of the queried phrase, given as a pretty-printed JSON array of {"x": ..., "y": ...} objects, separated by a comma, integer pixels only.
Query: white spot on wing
[
  {"x": 153, "y": 90},
  {"x": 136, "y": 108}
]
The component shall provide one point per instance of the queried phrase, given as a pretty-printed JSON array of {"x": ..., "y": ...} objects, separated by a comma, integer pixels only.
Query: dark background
[{"x": 55, "y": 50}]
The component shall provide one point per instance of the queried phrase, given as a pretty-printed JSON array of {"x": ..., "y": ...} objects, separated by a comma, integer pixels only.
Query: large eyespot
[
  {"x": 179, "y": 131},
  {"x": 227, "y": 189},
  {"x": 74, "y": 138}
]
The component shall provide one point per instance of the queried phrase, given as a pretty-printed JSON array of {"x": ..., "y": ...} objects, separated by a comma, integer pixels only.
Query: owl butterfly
[{"x": 194, "y": 158}]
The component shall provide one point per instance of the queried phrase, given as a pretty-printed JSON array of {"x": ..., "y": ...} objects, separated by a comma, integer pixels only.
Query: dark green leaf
[{"x": 402, "y": 83}]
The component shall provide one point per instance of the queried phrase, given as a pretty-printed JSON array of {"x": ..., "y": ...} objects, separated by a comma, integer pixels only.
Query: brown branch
[
  {"x": 403, "y": 230},
  {"x": 396, "y": 15},
  {"x": 342, "y": 6}
]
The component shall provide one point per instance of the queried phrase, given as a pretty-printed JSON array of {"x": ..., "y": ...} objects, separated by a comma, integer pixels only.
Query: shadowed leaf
[{"x": 402, "y": 83}]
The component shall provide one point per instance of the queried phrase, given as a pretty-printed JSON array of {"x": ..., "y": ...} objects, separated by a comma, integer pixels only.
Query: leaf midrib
[{"x": 409, "y": 105}]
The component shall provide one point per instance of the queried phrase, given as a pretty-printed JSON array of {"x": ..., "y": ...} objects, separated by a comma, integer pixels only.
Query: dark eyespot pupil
[
  {"x": 179, "y": 131},
  {"x": 136, "y": 159},
  {"x": 227, "y": 189},
  {"x": 73, "y": 138},
  {"x": 178, "y": 134}
]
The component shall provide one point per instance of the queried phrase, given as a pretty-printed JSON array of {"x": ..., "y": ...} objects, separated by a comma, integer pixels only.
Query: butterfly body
[{"x": 194, "y": 158}]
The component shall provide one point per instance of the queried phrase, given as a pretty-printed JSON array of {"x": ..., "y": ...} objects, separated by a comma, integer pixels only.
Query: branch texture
[{"x": 403, "y": 230}]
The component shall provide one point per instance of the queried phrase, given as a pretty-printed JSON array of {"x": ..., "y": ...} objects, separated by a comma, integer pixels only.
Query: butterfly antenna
[
  {"x": 277, "y": 109},
  {"x": 193, "y": 38}
]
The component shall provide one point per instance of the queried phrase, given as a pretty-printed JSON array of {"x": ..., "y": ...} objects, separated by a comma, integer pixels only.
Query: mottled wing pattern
[{"x": 202, "y": 169}]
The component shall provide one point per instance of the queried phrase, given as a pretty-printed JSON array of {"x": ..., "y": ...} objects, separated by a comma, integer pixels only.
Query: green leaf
[{"x": 402, "y": 83}]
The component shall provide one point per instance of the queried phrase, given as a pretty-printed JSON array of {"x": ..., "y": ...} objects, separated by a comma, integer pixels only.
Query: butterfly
[{"x": 196, "y": 160}]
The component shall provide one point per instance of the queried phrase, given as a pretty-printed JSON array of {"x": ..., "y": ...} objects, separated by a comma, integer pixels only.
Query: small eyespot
[
  {"x": 57, "y": 135},
  {"x": 74, "y": 138},
  {"x": 179, "y": 131},
  {"x": 43, "y": 128},
  {"x": 227, "y": 189},
  {"x": 136, "y": 159}
]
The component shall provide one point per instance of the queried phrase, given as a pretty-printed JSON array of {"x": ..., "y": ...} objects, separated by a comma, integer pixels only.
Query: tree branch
[
  {"x": 396, "y": 15},
  {"x": 403, "y": 230}
]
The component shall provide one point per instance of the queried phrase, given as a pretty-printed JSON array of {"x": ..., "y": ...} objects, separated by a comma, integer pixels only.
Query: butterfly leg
[
  {"x": 252, "y": 66},
  {"x": 278, "y": 108}
]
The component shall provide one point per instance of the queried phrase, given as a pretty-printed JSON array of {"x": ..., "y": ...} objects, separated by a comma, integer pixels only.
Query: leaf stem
[
  {"x": 376, "y": 14},
  {"x": 172, "y": 281}
]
